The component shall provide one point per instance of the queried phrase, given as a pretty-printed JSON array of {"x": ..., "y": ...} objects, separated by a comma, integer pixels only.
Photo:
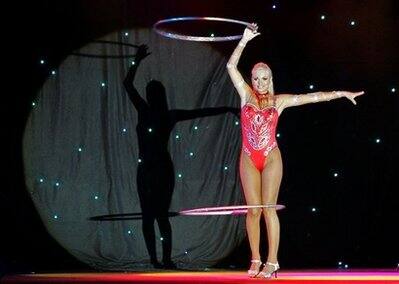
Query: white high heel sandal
[
  {"x": 263, "y": 274},
  {"x": 253, "y": 273}
]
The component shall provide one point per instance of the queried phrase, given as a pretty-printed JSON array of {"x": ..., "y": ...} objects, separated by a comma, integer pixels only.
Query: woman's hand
[
  {"x": 350, "y": 95},
  {"x": 250, "y": 32}
]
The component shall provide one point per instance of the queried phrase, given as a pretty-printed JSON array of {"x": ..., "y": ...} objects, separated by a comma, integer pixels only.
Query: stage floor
[{"x": 219, "y": 276}]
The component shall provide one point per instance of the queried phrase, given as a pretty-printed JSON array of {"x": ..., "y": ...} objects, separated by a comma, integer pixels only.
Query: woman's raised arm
[{"x": 238, "y": 81}]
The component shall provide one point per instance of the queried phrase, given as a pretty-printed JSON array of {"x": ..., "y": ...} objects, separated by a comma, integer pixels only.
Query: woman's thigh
[
  {"x": 271, "y": 177},
  {"x": 250, "y": 180}
]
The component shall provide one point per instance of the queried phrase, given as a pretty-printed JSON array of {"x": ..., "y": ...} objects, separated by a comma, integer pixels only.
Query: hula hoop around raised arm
[{"x": 198, "y": 38}]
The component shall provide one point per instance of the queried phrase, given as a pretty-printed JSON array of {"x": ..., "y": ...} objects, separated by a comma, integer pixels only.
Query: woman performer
[{"x": 260, "y": 161}]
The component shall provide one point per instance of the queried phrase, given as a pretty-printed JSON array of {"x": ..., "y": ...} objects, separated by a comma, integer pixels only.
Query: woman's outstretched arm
[
  {"x": 238, "y": 81},
  {"x": 296, "y": 100}
]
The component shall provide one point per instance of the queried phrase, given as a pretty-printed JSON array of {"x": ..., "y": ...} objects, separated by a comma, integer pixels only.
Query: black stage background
[{"x": 356, "y": 212}]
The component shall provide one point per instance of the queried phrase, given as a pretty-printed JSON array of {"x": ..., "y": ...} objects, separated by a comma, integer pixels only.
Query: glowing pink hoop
[
  {"x": 227, "y": 210},
  {"x": 198, "y": 38}
]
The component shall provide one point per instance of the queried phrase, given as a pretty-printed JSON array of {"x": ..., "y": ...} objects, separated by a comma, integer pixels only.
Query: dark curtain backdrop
[{"x": 82, "y": 154}]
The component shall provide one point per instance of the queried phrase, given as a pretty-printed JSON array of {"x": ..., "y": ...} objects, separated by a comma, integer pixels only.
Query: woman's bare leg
[
  {"x": 271, "y": 180},
  {"x": 251, "y": 183}
]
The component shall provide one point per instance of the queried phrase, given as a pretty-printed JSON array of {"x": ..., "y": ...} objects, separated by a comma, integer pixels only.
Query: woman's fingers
[
  {"x": 253, "y": 27},
  {"x": 352, "y": 95},
  {"x": 356, "y": 94}
]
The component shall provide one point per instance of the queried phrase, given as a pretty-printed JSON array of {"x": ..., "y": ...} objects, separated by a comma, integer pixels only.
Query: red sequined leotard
[{"x": 258, "y": 127}]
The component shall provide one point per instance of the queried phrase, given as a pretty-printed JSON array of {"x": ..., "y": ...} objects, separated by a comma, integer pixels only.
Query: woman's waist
[
  {"x": 260, "y": 144},
  {"x": 263, "y": 132}
]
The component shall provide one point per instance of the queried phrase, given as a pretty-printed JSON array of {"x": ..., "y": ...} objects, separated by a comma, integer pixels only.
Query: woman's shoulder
[
  {"x": 280, "y": 101},
  {"x": 282, "y": 97}
]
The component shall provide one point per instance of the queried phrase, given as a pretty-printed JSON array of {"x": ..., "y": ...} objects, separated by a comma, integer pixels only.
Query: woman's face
[{"x": 261, "y": 80}]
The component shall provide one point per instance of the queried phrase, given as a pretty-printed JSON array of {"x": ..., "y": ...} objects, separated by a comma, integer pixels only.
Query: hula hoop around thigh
[
  {"x": 197, "y": 38},
  {"x": 227, "y": 210}
]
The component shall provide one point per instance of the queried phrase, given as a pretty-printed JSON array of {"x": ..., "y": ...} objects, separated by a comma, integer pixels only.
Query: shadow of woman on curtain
[{"x": 155, "y": 172}]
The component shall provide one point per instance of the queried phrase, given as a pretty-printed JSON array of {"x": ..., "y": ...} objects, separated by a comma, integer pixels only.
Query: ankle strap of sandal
[
  {"x": 275, "y": 265},
  {"x": 256, "y": 261}
]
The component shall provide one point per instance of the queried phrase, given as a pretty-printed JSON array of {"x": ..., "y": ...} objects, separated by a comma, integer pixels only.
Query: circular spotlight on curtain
[{"x": 129, "y": 130}]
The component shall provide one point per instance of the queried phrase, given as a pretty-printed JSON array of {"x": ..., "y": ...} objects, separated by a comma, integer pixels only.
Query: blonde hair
[{"x": 262, "y": 65}]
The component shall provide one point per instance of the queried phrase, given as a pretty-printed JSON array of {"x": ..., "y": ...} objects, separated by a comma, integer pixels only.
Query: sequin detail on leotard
[{"x": 258, "y": 132}]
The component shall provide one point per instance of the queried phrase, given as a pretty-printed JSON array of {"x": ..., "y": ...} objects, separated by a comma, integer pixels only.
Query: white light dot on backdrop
[
  {"x": 311, "y": 87},
  {"x": 80, "y": 149},
  {"x": 195, "y": 127},
  {"x": 124, "y": 130},
  {"x": 278, "y": 135},
  {"x": 274, "y": 6},
  {"x": 133, "y": 62},
  {"x": 57, "y": 184},
  {"x": 177, "y": 136},
  {"x": 378, "y": 140},
  {"x": 33, "y": 104},
  {"x": 149, "y": 129},
  {"x": 237, "y": 123},
  {"x": 139, "y": 160},
  {"x": 42, "y": 61},
  {"x": 335, "y": 174},
  {"x": 191, "y": 154},
  {"x": 212, "y": 34},
  {"x": 126, "y": 33},
  {"x": 96, "y": 197},
  {"x": 102, "y": 84},
  {"x": 129, "y": 232},
  {"x": 314, "y": 209},
  {"x": 393, "y": 90},
  {"x": 346, "y": 266},
  {"x": 186, "y": 252},
  {"x": 41, "y": 180},
  {"x": 53, "y": 72},
  {"x": 55, "y": 216},
  {"x": 226, "y": 168},
  {"x": 161, "y": 238},
  {"x": 352, "y": 23},
  {"x": 322, "y": 17},
  {"x": 179, "y": 175},
  {"x": 339, "y": 262}
]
